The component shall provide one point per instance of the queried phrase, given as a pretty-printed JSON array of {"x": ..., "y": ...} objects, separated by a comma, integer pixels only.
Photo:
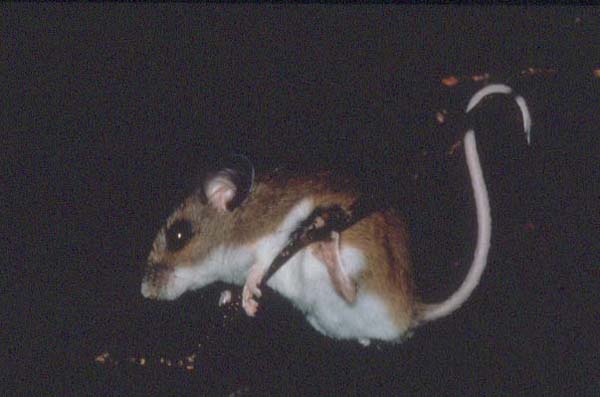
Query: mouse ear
[{"x": 227, "y": 188}]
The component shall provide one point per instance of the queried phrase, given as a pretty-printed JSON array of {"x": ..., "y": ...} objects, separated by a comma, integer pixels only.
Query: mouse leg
[
  {"x": 251, "y": 289},
  {"x": 328, "y": 252}
]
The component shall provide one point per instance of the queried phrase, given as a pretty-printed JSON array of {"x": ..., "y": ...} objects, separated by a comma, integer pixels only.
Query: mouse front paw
[
  {"x": 252, "y": 291},
  {"x": 250, "y": 304}
]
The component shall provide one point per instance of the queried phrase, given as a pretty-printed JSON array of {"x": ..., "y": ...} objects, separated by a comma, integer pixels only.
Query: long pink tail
[{"x": 484, "y": 222}]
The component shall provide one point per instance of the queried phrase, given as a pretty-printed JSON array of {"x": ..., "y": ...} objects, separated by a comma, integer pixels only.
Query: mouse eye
[{"x": 178, "y": 235}]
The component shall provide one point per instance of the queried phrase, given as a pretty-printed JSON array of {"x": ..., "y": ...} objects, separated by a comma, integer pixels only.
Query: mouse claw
[{"x": 225, "y": 298}]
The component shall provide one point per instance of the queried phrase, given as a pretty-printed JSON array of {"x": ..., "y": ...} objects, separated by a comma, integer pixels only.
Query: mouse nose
[
  {"x": 148, "y": 291},
  {"x": 154, "y": 276}
]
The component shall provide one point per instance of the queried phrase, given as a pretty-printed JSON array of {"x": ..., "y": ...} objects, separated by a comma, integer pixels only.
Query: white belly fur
[{"x": 305, "y": 281}]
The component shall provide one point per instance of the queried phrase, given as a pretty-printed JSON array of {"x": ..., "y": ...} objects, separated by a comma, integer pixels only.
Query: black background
[{"x": 109, "y": 111}]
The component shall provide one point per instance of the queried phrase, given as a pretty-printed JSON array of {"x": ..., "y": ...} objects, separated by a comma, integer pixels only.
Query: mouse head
[{"x": 183, "y": 254}]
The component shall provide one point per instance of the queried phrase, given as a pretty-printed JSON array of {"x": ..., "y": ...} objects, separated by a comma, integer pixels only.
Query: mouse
[{"x": 356, "y": 284}]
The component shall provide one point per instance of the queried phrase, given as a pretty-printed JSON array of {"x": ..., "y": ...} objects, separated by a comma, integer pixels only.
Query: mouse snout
[{"x": 155, "y": 277}]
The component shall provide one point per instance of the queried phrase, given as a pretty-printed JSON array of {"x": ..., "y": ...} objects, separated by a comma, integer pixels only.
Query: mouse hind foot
[{"x": 328, "y": 252}]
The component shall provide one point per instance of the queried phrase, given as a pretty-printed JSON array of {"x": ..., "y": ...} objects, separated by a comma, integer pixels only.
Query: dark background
[{"x": 110, "y": 111}]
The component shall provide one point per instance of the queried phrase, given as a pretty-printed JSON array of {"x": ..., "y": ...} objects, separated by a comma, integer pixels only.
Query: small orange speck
[
  {"x": 596, "y": 73},
  {"x": 454, "y": 147},
  {"x": 440, "y": 117},
  {"x": 101, "y": 358},
  {"x": 450, "y": 81},
  {"x": 480, "y": 77}
]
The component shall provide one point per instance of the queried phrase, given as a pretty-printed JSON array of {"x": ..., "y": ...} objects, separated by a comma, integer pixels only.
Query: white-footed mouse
[{"x": 356, "y": 285}]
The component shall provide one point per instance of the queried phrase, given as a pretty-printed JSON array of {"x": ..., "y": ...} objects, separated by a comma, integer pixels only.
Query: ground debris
[
  {"x": 538, "y": 71},
  {"x": 102, "y": 358},
  {"x": 450, "y": 81},
  {"x": 239, "y": 392},
  {"x": 455, "y": 146},
  {"x": 453, "y": 81},
  {"x": 440, "y": 116},
  {"x": 187, "y": 362}
]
